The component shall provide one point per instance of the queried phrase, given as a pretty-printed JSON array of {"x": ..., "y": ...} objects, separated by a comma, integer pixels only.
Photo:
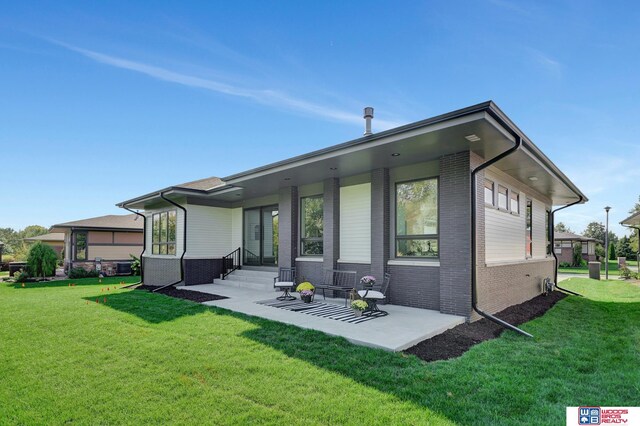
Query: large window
[
  {"x": 529, "y": 230},
  {"x": 417, "y": 218},
  {"x": 81, "y": 246},
  {"x": 164, "y": 233},
  {"x": 312, "y": 218}
]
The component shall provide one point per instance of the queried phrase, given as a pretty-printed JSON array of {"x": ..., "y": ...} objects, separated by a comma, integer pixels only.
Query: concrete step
[
  {"x": 254, "y": 273},
  {"x": 243, "y": 284},
  {"x": 250, "y": 278}
]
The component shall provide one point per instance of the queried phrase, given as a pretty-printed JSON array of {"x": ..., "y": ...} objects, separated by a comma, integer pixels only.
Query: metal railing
[{"x": 230, "y": 262}]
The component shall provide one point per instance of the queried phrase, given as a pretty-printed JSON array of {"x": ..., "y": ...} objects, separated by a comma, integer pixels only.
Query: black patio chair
[
  {"x": 285, "y": 281},
  {"x": 375, "y": 294}
]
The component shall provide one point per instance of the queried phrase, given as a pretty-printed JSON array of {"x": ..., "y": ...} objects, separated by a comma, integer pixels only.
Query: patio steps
[{"x": 245, "y": 278}]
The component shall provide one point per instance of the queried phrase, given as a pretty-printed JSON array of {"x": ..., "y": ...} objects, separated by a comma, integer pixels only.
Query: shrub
[
  {"x": 577, "y": 254},
  {"x": 565, "y": 265},
  {"x": 20, "y": 276},
  {"x": 42, "y": 260},
  {"x": 135, "y": 265},
  {"x": 626, "y": 273},
  {"x": 76, "y": 273},
  {"x": 612, "y": 251}
]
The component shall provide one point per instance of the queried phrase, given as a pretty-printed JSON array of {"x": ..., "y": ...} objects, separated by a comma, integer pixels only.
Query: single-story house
[
  {"x": 101, "y": 243},
  {"x": 55, "y": 240},
  {"x": 564, "y": 242},
  {"x": 457, "y": 208}
]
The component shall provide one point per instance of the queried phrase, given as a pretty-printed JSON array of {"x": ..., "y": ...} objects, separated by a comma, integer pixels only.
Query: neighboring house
[
  {"x": 564, "y": 242},
  {"x": 397, "y": 201},
  {"x": 55, "y": 240},
  {"x": 101, "y": 242}
]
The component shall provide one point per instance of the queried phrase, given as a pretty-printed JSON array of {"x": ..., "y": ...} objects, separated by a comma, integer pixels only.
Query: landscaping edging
[{"x": 456, "y": 341}]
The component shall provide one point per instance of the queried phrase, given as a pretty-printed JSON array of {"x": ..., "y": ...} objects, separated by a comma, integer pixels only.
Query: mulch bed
[
  {"x": 194, "y": 296},
  {"x": 456, "y": 341}
]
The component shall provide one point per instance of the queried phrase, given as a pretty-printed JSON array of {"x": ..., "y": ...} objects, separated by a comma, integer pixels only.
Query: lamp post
[{"x": 606, "y": 243}]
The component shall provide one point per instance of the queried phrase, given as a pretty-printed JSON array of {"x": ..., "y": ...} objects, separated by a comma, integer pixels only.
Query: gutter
[
  {"x": 474, "y": 242},
  {"x": 144, "y": 245},
  {"x": 184, "y": 242},
  {"x": 552, "y": 241}
]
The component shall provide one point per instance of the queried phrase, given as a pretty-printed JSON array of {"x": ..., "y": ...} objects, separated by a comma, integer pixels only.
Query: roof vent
[{"x": 368, "y": 115}]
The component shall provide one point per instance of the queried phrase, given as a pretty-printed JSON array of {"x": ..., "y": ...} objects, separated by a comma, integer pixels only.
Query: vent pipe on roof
[{"x": 368, "y": 115}]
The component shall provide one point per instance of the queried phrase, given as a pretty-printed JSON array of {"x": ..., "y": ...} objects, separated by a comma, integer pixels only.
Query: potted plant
[
  {"x": 359, "y": 307},
  {"x": 368, "y": 281},
  {"x": 306, "y": 290},
  {"x": 306, "y": 296}
]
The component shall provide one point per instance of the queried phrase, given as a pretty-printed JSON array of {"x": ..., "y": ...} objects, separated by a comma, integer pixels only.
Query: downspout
[
  {"x": 474, "y": 269},
  {"x": 144, "y": 246},
  {"x": 552, "y": 241},
  {"x": 638, "y": 252},
  {"x": 184, "y": 242}
]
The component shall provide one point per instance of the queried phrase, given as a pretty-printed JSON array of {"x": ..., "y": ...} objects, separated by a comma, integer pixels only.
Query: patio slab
[{"x": 401, "y": 329}]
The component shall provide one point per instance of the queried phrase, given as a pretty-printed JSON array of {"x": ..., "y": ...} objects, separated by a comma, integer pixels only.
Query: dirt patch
[
  {"x": 194, "y": 296},
  {"x": 456, "y": 341}
]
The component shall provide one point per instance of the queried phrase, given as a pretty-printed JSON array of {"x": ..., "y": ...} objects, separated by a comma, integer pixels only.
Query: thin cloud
[
  {"x": 262, "y": 96},
  {"x": 546, "y": 62}
]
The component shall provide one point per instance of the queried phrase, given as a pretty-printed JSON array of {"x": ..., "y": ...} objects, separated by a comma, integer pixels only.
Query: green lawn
[
  {"x": 613, "y": 268},
  {"x": 4, "y": 274},
  {"x": 146, "y": 358}
]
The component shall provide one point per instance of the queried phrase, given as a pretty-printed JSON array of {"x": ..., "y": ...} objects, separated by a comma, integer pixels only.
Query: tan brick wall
[
  {"x": 100, "y": 237},
  {"x": 128, "y": 238}
]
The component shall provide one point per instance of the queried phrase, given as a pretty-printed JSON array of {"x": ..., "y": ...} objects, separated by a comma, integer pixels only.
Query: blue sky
[{"x": 103, "y": 101}]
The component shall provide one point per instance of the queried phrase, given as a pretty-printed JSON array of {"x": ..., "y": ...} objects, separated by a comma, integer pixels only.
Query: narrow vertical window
[
  {"x": 81, "y": 246},
  {"x": 548, "y": 231},
  {"x": 502, "y": 197},
  {"x": 312, "y": 220},
  {"x": 529, "y": 230},
  {"x": 515, "y": 202},
  {"x": 488, "y": 192}
]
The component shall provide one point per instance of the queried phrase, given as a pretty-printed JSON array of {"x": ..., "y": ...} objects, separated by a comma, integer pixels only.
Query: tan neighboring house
[
  {"x": 103, "y": 243},
  {"x": 564, "y": 242},
  {"x": 55, "y": 240}
]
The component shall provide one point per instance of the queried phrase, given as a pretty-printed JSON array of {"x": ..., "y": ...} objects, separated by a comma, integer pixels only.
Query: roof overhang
[
  {"x": 633, "y": 220},
  {"x": 422, "y": 141}
]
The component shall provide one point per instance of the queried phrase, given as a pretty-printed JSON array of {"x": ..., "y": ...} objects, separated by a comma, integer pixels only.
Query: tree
[
  {"x": 577, "y": 254},
  {"x": 42, "y": 260},
  {"x": 561, "y": 227},
  {"x": 595, "y": 230},
  {"x": 612, "y": 251},
  {"x": 623, "y": 248},
  {"x": 33, "y": 231},
  {"x": 635, "y": 208}
]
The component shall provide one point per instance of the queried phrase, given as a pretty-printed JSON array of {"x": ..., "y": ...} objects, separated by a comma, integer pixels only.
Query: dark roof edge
[
  {"x": 164, "y": 191},
  {"x": 364, "y": 139}
]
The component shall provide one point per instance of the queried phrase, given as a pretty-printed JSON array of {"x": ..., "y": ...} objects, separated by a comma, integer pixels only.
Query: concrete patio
[{"x": 401, "y": 329}]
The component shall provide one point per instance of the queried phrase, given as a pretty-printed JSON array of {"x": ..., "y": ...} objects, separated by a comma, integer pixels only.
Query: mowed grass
[
  {"x": 144, "y": 358},
  {"x": 613, "y": 268}
]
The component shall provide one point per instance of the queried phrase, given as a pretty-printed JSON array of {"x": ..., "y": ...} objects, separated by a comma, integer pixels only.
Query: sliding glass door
[{"x": 261, "y": 236}]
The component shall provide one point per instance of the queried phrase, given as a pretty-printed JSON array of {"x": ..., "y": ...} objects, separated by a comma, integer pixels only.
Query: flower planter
[
  {"x": 306, "y": 299},
  {"x": 357, "y": 312}
]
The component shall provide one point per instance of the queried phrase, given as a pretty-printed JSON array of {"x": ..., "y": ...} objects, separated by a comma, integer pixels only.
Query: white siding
[
  {"x": 179, "y": 231},
  {"x": 504, "y": 235},
  {"x": 539, "y": 231},
  {"x": 208, "y": 231},
  {"x": 355, "y": 223},
  {"x": 505, "y": 232},
  {"x": 236, "y": 228}
]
